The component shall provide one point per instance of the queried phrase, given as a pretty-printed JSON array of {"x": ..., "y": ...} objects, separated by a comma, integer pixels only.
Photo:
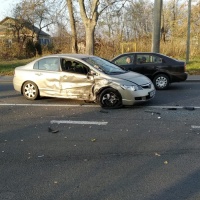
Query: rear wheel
[
  {"x": 30, "y": 90},
  {"x": 161, "y": 82},
  {"x": 110, "y": 98}
]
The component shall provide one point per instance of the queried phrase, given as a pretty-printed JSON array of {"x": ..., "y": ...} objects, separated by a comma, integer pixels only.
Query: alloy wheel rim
[
  {"x": 110, "y": 99},
  {"x": 30, "y": 90},
  {"x": 161, "y": 82}
]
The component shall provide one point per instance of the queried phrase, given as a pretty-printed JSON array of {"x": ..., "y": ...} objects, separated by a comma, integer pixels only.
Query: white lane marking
[
  {"x": 197, "y": 127},
  {"x": 51, "y": 105},
  {"x": 94, "y": 105},
  {"x": 77, "y": 122}
]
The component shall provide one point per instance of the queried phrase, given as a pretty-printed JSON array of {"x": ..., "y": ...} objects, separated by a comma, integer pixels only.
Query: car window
[
  {"x": 48, "y": 64},
  {"x": 74, "y": 67},
  {"x": 157, "y": 59},
  {"x": 145, "y": 58},
  {"x": 124, "y": 60},
  {"x": 103, "y": 65}
]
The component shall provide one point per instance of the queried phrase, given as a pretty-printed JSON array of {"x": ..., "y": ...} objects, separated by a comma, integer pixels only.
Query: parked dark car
[{"x": 161, "y": 69}]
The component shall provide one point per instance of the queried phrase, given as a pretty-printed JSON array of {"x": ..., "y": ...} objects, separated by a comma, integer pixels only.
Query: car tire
[
  {"x": 161, "y": 82},
  {"x": 110, "y": 98},
  {"x": 30, "y": 90}
]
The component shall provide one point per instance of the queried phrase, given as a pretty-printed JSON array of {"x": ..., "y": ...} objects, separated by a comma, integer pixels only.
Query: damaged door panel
[{"x": 75, "y": 86}]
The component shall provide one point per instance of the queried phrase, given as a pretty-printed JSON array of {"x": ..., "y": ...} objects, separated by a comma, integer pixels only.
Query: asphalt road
[{"x": 56, "y": 149}]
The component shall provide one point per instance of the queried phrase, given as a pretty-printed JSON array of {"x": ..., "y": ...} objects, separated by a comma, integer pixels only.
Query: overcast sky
[{"x": 6, "y": 7}]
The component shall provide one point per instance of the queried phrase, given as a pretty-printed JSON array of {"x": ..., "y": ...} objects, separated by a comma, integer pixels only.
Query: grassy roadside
[
  {"x": 7, "y": 67},
  {"x": 193, "y": 67}
]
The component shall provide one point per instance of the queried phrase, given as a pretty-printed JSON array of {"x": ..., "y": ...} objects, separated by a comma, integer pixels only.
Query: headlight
[{"x": 130, "y": 87}]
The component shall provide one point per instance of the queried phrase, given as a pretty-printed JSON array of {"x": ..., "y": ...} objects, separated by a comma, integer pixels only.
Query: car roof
[
  {"x": 142, "y": 53},
  {"x": 78, "y": 56}
]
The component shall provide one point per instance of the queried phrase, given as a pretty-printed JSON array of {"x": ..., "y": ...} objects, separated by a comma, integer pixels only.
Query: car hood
[{"x": 132, "y": 77}]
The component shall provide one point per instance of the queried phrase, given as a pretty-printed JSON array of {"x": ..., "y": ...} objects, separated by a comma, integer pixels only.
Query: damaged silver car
[{"x": 82, "y": 77}]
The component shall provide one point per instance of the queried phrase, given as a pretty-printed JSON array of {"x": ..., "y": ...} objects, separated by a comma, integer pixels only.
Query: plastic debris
[
  {"x": 40, "y": 156},
  {"x": 189, "y": 108},
  {"x": 152, "y": 112},
  {"x": 157, "y": 154},
  {"x": 172, "y": 109},
  {"x": 93, "y": 140},
  {"x": 103, "y": 111},
  {"x": 166, "y": 162},
  {"x": 52, "y": 131}
]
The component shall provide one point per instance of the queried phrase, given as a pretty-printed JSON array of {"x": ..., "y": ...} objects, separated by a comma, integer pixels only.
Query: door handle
[{"x": 39, "y": 73}]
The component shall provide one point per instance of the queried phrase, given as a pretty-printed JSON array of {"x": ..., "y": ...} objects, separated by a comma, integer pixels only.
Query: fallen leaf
[
  {"x": 157, "y": 154},
  {"x": 166, "y": 162}
]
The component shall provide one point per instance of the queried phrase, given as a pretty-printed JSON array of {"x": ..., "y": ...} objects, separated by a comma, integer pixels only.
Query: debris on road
[
  {"x": 157, "y": 154},
  {"x": 171, "y": 108},
  {"x": 40, "y": 156},
  {"x": 52, "y": 131},
  {"x": 189, "y": 108},
  {"x": 103, "y": 111},
  {"x": 152, "y": 112}
]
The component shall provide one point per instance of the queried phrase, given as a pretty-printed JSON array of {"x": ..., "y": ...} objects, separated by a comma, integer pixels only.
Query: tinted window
[
  {"x": 144, "y": 58},
  {"x": 124, "y": 60}
]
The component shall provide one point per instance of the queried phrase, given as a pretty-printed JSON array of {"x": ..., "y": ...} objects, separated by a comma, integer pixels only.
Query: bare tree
[
  {"x": 34, "y": 13},
  {"x": 90, "y": 17}
]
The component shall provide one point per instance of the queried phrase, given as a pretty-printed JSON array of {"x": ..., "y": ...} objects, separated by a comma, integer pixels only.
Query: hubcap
[
  {"x": 30, "y": 90},
  {"x": 161, "y": 82}
]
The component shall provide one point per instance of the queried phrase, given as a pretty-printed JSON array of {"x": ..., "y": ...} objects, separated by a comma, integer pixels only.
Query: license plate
[{"x": 152, "y": 93}]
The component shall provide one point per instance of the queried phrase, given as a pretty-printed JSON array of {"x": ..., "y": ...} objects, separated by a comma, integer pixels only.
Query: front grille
[{"x": 146, "y": 86}]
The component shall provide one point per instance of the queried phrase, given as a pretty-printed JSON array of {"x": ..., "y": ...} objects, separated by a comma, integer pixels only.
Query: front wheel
[
  {"x": 110, "y": 98},
  {"x": 161, "y": 82},
  {"x": 30, "y": 90}
]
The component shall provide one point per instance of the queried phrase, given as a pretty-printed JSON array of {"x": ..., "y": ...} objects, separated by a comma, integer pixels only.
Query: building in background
[{"x": 20, "y": 31}]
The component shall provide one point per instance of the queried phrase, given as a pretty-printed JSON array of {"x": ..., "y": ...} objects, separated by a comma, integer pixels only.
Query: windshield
[{"x": 104, "y": 65}]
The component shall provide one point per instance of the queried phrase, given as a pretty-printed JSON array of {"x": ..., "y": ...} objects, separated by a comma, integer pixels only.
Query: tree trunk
[
  {"x": 89, "y": 23},
  {"x": 73, "y": 27},
  {"x": 90, "y": 40}
]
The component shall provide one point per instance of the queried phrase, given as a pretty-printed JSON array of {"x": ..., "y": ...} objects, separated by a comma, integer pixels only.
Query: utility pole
[
  {"x": 188, "y": 32},
  {"x": 156, "y": 26}
]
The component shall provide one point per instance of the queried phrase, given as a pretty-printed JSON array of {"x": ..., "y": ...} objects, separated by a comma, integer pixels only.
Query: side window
[
  {"x": 124, "y": 60},
  {"x": 157, "y": 59},
  {"x": 142, "y": 58},
  {"x": 48, "y": 64},
  {"x": 36, "y": 65},
  {"x": 74, "y": 67},
  {"x": 80, "y": 68}
]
